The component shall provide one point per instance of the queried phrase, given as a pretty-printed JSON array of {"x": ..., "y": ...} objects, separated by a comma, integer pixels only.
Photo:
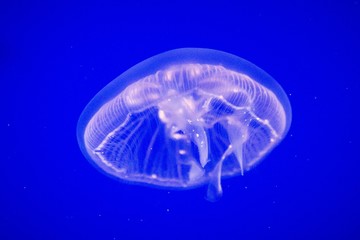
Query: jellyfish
[{"x": 184, "y": 118}]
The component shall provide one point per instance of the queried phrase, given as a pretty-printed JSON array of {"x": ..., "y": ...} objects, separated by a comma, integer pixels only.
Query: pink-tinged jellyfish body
[{"x": 184, "y": 118}]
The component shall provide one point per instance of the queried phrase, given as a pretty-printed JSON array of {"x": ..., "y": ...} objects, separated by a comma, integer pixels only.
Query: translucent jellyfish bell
[{"x": 184, "y": 118}]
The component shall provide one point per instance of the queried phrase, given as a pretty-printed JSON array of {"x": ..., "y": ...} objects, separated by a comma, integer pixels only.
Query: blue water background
[{"x": 56, "y": 55}]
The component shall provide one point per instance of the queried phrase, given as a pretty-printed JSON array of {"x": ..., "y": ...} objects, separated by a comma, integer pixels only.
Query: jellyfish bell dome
[{"x": 184, "y": 118}]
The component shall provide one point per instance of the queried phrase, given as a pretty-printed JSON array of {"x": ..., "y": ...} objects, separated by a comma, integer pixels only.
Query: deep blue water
[{"x": 54, "y": 57}]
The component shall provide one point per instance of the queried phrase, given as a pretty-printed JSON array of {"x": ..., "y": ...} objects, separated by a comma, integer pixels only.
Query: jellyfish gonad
[{"x": 184, "y": 118}]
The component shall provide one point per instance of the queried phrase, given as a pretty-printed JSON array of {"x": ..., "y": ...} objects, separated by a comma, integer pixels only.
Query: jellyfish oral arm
[
  {"x": 237, "y": 136},
  {"x": 198, "y": 136},
  {"x": 183, "y": 122},
  {"x": 214, "y": 191}
]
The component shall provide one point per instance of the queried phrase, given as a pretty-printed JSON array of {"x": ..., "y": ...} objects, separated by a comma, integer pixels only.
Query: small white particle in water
[
  {"x": 272, "y": 140},
  {"x": 153, "y": 176},
  {"x": 197, "y": 135},
  {"x": 182, "y": 152},
  {"x": 168, "y": 210}
]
